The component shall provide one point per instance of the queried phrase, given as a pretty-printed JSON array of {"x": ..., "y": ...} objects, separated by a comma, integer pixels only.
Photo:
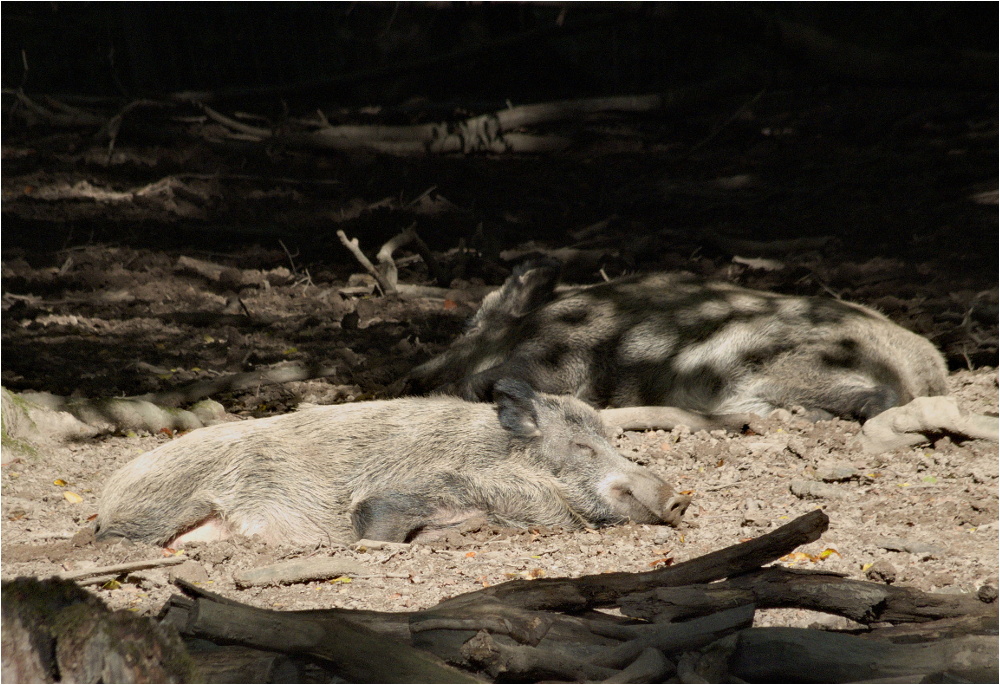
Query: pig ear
[
  {"x": 531, "y": 285},
  {"x": 515, "y": 401}
]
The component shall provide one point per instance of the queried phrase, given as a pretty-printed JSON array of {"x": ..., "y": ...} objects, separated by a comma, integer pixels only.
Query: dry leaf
[
  {"x": 72, "y": 497},
  {"x": 60, "y": 482}
]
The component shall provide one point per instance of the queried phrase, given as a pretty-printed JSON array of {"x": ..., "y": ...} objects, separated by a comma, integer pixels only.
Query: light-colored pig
[{"x": 386, "y": 471}]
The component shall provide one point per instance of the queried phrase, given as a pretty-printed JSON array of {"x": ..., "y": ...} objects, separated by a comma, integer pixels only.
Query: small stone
[
  {"x": 83, "y": 537},
  {"x": 811, "y": 488},
  {"x": 987, "y": 593},
  {"x": 834, "y": 472},
  {"x": 661, "y": 535},
  {"x": 913, "y": 547},
  {"x": 881, "y": 571},
  {"x": 191, "y": 571}
]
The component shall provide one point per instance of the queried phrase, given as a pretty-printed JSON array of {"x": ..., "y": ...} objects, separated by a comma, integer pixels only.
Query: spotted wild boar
[{"x": 676, "y": 340}]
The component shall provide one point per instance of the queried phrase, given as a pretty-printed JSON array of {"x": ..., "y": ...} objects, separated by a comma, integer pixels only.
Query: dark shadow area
[{"x": 865, "y": 134}]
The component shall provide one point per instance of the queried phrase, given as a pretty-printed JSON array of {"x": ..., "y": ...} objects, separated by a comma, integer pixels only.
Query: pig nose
[{"x": 674, "y": 508}]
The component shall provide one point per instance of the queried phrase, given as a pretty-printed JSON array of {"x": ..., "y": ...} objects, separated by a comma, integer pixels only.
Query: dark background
[
  {"x": 871, "y": 124},
  {"x": 344, "y": 53}
]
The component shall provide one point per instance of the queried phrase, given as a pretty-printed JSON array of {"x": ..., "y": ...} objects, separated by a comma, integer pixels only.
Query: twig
[
  {"x": 237, "y": 381},
  {"x": 387, "y": 267},
  {"x": 352, "y": 245},
  {"x": 118, "y": 569},
  {"x": 114, "y": 124},
  {"x": 719, "y": 129},
  {"x": 289, "y": 255},
  {"x": 255, "y": 131}
]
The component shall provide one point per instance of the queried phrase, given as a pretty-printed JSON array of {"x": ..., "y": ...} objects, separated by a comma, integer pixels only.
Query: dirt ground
[{"x": 95, "y": 305}]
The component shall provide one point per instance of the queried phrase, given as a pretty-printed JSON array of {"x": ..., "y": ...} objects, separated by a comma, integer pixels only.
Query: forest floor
[{"x": 897, "y": 190}]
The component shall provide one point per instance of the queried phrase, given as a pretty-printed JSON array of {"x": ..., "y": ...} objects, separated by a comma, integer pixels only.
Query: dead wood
[
  {"x": 359, "y": 654},
  {"x": 61, "y": 115},
  {"x": 386, "y": 274},
  {"x": 298, "y": 571},
  {"x": 484, "y": 652},
  {"x": 55, "y": 632},
  {"x": 355, "y": 249},
  {"x": 42, "y": 417},
  {"x": 841, "y": 58},
  {"x": 224, "y": 275},
  {"x": 122, "y": 568},
  {"x": 238, "y": 664},
  {"x": 238, "y": 381},
  {"x": 386, "y": 265},
  {"x": 919, "y": 420},
  {"x": 779, "y": 587},
  {"x": 39, "y": 418},
  {"x": 975, "y": 624},
  {"x": 676, "y": 638},
  {"x": 668, "y": 418},
  {"x": 803, "y": 655},
  {"x": 649, "y": 667},
  {"x": 496, "y": 132},
  {"x": 27, "y": 423},
  {"x": 518, "y": 631},
  {"x": 577, "y": 594}
]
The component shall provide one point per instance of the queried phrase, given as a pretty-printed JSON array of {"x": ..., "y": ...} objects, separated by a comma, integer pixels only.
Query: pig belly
[{"x": 212, "y": 529}]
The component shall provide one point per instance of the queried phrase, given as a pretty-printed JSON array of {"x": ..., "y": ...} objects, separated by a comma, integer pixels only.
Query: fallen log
[
  {"x": 524, "y": 631},
  {"x": 604, "y": 589},
  {"x": 778, "y": 587},
  {"x": 814, "y": 656},
  {"x": 359, "y": 654},
  {"x": 53, "y": 631},
  {"x": 919, "y": 420}
]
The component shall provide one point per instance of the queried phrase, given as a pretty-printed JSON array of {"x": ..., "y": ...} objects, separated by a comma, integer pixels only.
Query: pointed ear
[
  {"x": 515, "y": 402},
  {"x": 532, "y": 285}
]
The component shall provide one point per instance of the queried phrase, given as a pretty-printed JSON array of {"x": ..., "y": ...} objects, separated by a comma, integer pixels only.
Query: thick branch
[
  {"x": 360, "y": 654},
  {"x": 606, "y": 588},
  {"x": 762, "y": 655},
  {"x": 778, "y": 587}
]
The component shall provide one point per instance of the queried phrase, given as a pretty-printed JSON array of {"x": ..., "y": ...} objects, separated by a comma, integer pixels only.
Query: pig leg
[
  {"x": 397, "y": 517},
  {"x": 825, "y": 400}
]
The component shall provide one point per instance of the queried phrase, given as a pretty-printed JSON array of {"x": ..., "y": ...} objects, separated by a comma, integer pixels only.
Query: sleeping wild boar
[
  {"x": 676, "y": 340},
  {"x": 386, "y": 470}
]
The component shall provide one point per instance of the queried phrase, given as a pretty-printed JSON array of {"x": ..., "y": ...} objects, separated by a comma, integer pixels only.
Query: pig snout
[{"x": 644, "y": 498}]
